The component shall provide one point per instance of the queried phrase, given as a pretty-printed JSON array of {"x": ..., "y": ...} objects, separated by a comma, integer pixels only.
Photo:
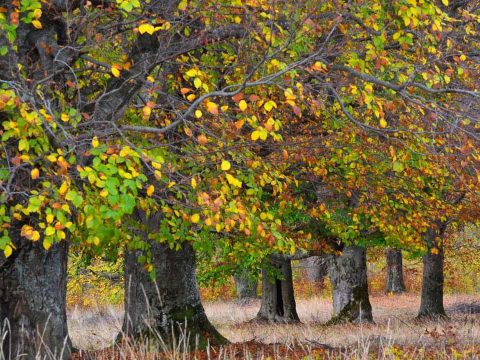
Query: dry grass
[{"x": 394, "y": 315}]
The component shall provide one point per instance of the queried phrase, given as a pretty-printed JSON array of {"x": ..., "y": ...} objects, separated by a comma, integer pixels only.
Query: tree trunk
[
  {"x": 278, "y": 299},
  {"x": 395, "y": 283},
  {"x": 33, "y": 286},
  {"x": 348, "y": 274},
  {"x": 169, "y": 306},
  {"x": 432, "y": 280},
  {"x": 316, "y": 268},
  {"x": 246, "y": 286}
]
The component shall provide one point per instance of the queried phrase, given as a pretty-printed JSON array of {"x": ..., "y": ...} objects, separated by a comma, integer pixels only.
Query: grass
[{"x": 395, "y": 335}]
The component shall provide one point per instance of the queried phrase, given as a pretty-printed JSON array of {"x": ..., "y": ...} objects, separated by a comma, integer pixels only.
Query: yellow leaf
[
  {"x": 233, "y": 181},
  {"x": 150, "y": 190},
  {"x": 262, "y": 133},
  {"x": 194, "y": 183},
  {"x": 212, "y": 108},
  {"x": 445, "y": 2},
  {"x": 242, "y": 105},
  {"x": 47, "y": 243},
  {"x": 269, "y": 105},
  {"x": 36, "y": 24},
  {"x": 35, "y": 173},
  {"x": 96, "y": 240},
  {"x": 197, "y": 82},
  {"x": 52, "y": 157},
  {"x": 195, "y": 218},
  {"x": 191, "y": 97},
  {"x": 115, "y": 72},
  {"x": 192, "y": 73},
  {"x": 292, "y": 250},
  {"x": 146, "y": 28},
  {"x": 289, "y": 94},
  {"x": 255, "y": 135},
  {"x": 182, "y": 5},
  {"x": 35, "y": 236},
  {"x": 147, "y": 110},
  {"x": 37, "y": 13},
  {"x": 49, "y": 231},
  {"x": 50, "y": 218},
  {"x": 383, "y": 123},
  {"x": 7, "y": 251},
  {"x": 95, "y": 142},
  {"x": 64, "y": 117},
  {"x": 198, "y": 114},
  {"x": 447, "y": 79},
  {"x": 225, "y": 165}
]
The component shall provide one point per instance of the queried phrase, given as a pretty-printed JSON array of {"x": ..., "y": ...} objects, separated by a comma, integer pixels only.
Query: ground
[{"x": 396, "y": 333}]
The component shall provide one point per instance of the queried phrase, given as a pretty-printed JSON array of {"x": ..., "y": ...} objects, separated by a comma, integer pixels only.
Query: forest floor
[{"x": 395, "y": 334}]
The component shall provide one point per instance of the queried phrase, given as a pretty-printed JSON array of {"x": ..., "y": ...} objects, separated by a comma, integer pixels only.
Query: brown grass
[{"x": 395, "y": 329}]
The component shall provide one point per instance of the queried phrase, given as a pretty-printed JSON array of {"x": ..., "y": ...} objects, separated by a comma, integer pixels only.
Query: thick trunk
[
  {"x": 246, "y": 286},
  {"x": 33, "y": 285},
  {"x": 348, "y": 274},
  {"x": 316, "y": 268},
  {"x": 432, "y": 286},
  {"x": 168, "y": 307},
  {"x": 395, "y": 283},
  {"x": 432, "y": 280},
  {"x": 278, "y": 299}
]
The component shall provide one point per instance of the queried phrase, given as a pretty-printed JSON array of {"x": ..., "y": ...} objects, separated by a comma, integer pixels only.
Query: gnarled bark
[
  {"x": 33, "y": 285},
  {"x": 348, "y": 274},
  {"x": 169, "y": 307},
  {"x": 395, "y": 283},
  {"x": 278, "y": 298}
]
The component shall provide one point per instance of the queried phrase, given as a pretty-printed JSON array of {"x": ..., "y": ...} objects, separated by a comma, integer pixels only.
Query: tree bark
[
  {"x": 168, "y": 307},
  {"x": 431, "y": 305},
  {"x": 348, "y": 274},
  {"x": 278, "y": 298},
  {"x": 33, "y": 286},
  {"x": 395, "y": 283},
  {"x": 245, "y": 285}
]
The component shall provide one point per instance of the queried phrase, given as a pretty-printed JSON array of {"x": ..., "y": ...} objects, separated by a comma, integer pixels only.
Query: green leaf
[{"x": 398, "y": 166}]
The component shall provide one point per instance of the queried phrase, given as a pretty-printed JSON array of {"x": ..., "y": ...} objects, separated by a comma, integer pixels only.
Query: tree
[
  {"x": 278, "y": 299},
  {"x": 168, "y": 305},
  {"x": 348, "y": 274},
  {"x": 395, "y": 283},
  {"x": 432, "y": 280}
]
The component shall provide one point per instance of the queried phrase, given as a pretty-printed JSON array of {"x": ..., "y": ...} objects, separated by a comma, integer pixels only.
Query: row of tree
[{"x": 241, "y": 132}]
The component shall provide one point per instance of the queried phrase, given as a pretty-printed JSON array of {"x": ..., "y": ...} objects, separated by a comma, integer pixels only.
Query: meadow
[{"x": 396, "y": 333}]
